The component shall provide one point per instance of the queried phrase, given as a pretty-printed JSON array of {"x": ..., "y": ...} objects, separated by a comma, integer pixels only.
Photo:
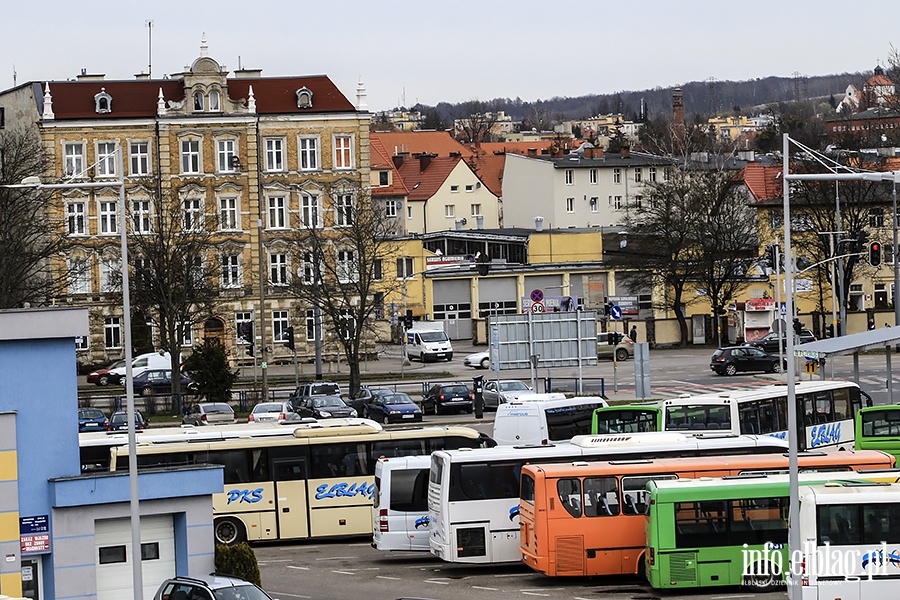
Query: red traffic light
[{"x": 875, "y": 254}]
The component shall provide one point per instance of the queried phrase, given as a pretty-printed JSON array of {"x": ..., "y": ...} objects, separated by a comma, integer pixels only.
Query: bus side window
[
  {"x": 842, "y": 405},
  {"x": 569, "y": 492},
  {"x": 603, "y": 492}
]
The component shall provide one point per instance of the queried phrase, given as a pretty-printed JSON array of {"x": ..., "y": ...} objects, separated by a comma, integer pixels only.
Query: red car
[{"x": 101, "y": 376}]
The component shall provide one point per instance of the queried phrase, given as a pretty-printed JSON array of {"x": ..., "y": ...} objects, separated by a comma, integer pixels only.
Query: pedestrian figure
[
  {"x": 871, "y": 323},
  {"x": 633, "y": 334}
]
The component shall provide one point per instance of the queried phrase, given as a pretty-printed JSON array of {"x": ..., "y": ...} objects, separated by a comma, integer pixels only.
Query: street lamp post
[{"x": 134, "y": 506}]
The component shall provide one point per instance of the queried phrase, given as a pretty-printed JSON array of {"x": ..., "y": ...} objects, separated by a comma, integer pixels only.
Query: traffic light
[
  {"x": 875, "y": 254},
  {"x": 245, "y": 332},
  {"x": 288, "y": 337},
  {"x": 482, "y": 263}
]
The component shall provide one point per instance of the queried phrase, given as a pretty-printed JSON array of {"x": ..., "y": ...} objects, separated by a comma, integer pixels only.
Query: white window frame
[
  {"x": 76, "y": 217},
  {"x": 651, "y": 173},
  {"x": 310, "y": 319},
  {"x": 191, "y": 157},
  {"x": 344, "y": 208},
  {"x": 405, "y": 267},
  {"x": 274, "y": 154},
  {"x": 139, "y": 158},
  {"x": 229, "y": 213},
  {"x": 108, "y": 215},
  {"x": 281, "y": 320},
  {"x": 346, "y": 266},
  {"x": 617, "y": 202},
  {"x": 454, "y": 189},
  {"x": 638, "y": 174},
  {"x": 215, "y": 104},
  {"x": 307, "y": 270},
  {"x": 106, "y": 159},
  {"x": 390, "y": 208},
  {"x": 617, "y": 175},
  {"x": 570, "y": 176},
  {"x": 592, "y": 176},
  {"x": 570, "y": 205},
  {"x": 278, "y": 269},
  {"x": 276, "y": 212},
  {"x": 595, "y": 204},
  {"x": 311, "y": 213},
  {"x": 476, "y": 209},
  {"x": 226, "y": 150},
  {"x": 231, "y": 270},
  {"x": 141, "y": 216},
  {"x": 449, "y": 211},
  {"x": 73, "y": 159},
  {"x": 308, "y": 153},
  {"x": 343, "y": 152},
  {"x": 470, "y": 188},
  {"x": 112, "y": 333},
  {"x": 192, "y": 214},
  {"x": 79, "y": 275},
  {"x": 109, "y": 267}
]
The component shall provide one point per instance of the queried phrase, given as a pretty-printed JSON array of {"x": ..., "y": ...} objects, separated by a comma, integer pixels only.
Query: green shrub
[
  {"x": 238, "y": 560},
  {"x": 208, "y": 366}
]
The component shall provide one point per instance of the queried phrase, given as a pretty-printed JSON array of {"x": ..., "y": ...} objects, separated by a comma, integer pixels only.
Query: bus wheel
[
  {"x": 228, "y": 531},
  {"x": 763, "y": 579}
]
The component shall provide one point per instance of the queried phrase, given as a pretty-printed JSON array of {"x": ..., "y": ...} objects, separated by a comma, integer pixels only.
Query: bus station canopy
[{"x": 874, "y": 339}]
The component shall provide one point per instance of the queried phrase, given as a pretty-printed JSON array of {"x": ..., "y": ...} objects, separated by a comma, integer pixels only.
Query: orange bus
[{"x": 587, "y": 518}]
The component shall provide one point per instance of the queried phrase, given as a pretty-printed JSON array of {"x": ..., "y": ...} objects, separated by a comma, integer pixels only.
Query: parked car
[
  {"x": 393, "y": 407},
  {"x": 364, "y": 396},
  {"x": 323, "y": 407},
  {"x": 92, "y": 419},
  {"x": 102, "y": 376},
  {"x": 118, "y": 421},
  {"x": 614, "y": 343},
  {"x": 209, "y": 413},
  {"x": 447, "y": 396},
  {"x": 496, "y": 393},
  {"x": 317, "y": 388},
  {"x": 220, "y": 587},
  {"x": 743, "y": 359},
  {"x": 479, "y": 360},
  {"x": 270, "y": 412},
  {"x": 144, "y": 362},
  {"x": 769, "y": 342},
  {"x": 159, "y": 381}
]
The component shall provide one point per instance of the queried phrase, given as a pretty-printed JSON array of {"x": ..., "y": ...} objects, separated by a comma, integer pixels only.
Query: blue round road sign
[{"x": 615, "y": 312}]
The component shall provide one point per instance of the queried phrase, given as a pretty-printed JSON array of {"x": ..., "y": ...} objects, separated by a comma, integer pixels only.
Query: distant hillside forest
[{"x": 701, "y": 99}]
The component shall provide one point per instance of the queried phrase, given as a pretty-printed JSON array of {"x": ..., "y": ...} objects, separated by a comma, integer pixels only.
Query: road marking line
[
  {"x": 344, "y": 572},
  {"x": 736, "y": 596},
  {"x": 515, "y": 575},
  {"x": 295, "y": 567},
  {"x": 437, "y": 582},
  {"x": 388, "y": 577},
  {"x": 535, "y": 594},
  {"x": 479, "y": 587},
  {"x": 336, "y": 558}
]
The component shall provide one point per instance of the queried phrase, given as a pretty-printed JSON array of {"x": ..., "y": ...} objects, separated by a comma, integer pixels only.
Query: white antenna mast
[{"x": 149, "y": 24}]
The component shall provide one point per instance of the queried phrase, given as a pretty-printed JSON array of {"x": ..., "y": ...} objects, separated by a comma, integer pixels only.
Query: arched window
[
  {"x": 304, "y": 98},
  {"x": 214, "y": 101},
  {"x": 103, "y": 102},
  {"x": 198, "y": 101}
]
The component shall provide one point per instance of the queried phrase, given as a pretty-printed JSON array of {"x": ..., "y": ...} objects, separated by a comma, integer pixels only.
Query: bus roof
[
  {"x": 765, "y": 391},
  {"x": 830, "y": 493},
  {"x": 750, "y": 462},
  {"x": 743, "y": 486}
]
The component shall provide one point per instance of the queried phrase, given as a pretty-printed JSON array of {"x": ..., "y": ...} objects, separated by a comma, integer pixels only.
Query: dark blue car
[
  {"x": 393, "y": 407},
  {"x": 91, "y": 419}
]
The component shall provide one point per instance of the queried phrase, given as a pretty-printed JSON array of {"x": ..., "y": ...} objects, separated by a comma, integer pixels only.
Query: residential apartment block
[{"x": 257, "y": 156}]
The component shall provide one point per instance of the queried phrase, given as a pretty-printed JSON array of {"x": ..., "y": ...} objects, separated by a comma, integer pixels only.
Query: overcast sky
[{"x": 425, "y": 51}]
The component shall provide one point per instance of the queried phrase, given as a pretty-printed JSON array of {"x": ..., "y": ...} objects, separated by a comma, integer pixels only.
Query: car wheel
[
  {"x": 146, "y": 391},
  {"x": 103, "y": 380},
  {"x": 485, "y": 363},
  {"x": 229, "y": 531},
  {"x": 621, "y": 354},
  {"x": 384, "y": 419},
  {"x": 437, "y": 409},
  {"x": 730, "y": 370}
]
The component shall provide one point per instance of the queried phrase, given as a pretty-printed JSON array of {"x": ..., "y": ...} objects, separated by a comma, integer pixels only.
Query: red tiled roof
[
  {"x": 417, "y": 142},
  {"x": 138, "y": 98},
  {"x": 380, "y": 160},
  {"x": 516, "y": 147},
  {"x": 489, "y": 169},
  {"x": 423, "y": 184},
  {"x": 878, "y": 80},
  {"x": 764, "y": 182}
]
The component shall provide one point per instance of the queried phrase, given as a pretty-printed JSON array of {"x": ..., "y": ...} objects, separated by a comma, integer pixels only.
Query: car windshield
[
  {"x": 241, "y": 592},
  {"x": 326, "y": 388},
  {"x": 90, "y": 413},
  {"x": 267, "y": 407},
  {"x": 217, "y": 407},
  {"x": 121, "y": 418},
  {"x": 396, "y": 399},
  {"x": 433, "y": 336},
  {"x": 327, "y": 401},
  {"x": 455, "y": 389},
  {"x": 512, "y": 386}
]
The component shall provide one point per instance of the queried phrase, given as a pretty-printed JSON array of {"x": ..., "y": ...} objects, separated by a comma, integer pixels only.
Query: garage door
[{"x": 114, "y": 556}]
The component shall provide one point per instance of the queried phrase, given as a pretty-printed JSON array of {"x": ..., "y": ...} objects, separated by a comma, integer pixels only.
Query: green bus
[
  {"x": 725, "y": 531},
  {"x": 878, "y": 428}
]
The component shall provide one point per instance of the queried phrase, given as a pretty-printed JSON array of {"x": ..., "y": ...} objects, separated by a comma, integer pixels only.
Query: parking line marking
[
  {"x": 479, "y": 587},
  {"x": 296, "y": 567},
  {"x": 344, "y": 572},
  {"x": 387, "y": 577},
  {"x": 515, "y": 575}
]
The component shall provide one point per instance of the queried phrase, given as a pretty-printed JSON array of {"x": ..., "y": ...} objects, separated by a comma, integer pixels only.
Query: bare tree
[
  {"x": 347, "y": 259},
  {"x": 29, "y": 235},
  {"x": 476, "y": 120},
  {"x": 176, "y": 273}
]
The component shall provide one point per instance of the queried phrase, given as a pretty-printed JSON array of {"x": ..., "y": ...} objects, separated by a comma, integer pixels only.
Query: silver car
[
  {"x": 613, "y": 343},
  {"x": 270, "y": 412},
  {"x": 496, "y": 393}
]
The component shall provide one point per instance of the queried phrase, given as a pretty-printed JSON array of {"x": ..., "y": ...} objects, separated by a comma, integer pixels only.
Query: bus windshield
[{"x": 628, "y": 419}]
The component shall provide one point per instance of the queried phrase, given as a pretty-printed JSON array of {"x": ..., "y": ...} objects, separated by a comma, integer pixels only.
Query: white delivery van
[
  {"x": 400, "y": 512},
  {"x": 536, "y": 420},
  {"x": 144, "y": 362},
  {"x": 427, "y": 340}
]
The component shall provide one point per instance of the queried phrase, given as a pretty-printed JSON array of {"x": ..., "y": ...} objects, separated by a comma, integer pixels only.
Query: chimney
[
  {"x": 142, "y": 76},
  {"x": 399, "y": 158},
  {"x": 425, "y": 160},
  {"x": 539, "y": 223},
  {"x": 248, "y": 73},
  {"x": 532, "y": 152},
  {"x": 85, "y": 76},
  {"x": 678, "y": 112}
]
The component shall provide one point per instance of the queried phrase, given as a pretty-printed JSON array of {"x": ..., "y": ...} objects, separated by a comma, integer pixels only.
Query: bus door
[{"x": 290, "y": 476}]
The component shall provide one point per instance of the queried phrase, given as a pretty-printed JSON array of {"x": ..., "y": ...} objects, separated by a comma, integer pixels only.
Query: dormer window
[
  {"x": 103, "y": 102},
  {"x": 198, "y": 101},
  {"x": 214, "y": 101},
  {"x": 304, "y": 98}
]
